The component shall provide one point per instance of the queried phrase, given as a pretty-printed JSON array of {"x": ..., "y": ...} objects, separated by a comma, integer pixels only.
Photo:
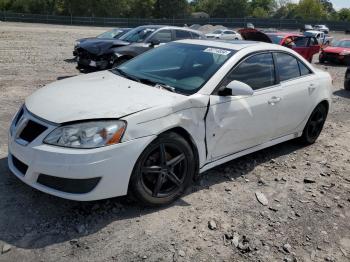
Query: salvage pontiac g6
[{"x": 151, "y": 125}]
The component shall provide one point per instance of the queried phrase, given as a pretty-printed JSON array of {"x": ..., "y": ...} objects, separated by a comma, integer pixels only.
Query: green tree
[
  {"x": 310, "y": 9},
  {"x": 267, "y": 5},
  {"x": 222, "y": 8},
  {"x": 344, "y": 14},
  {"x": 287, "y": 11},
  {"x": 141, "y": 8},
  {"x": 171, "y": 8},
  {"x": 260, "y": 12}
]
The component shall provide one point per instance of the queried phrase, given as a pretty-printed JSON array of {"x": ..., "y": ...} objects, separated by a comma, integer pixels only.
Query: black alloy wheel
[
  {"x": 315, "y": 124},
  {"x": 163, "y": 171}
]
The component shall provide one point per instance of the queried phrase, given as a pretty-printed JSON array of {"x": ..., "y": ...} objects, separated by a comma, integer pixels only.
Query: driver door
[{"x": 235, "y": 123}]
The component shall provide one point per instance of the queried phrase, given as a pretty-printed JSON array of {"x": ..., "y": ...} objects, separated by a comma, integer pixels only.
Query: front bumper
[
  {"x": 107, "y": 170},
  {"x": 93, "y": 64},
  {"x": 332, "y": 57}
]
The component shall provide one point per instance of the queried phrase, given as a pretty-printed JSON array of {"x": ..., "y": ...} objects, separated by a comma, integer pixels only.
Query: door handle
[{"x": 274, "y": 100}]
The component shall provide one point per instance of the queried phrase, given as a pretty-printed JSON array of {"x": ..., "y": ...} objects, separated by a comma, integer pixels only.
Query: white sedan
[
  {"x": 154, "y": 123},
  {"x": 224, "y": 34}
]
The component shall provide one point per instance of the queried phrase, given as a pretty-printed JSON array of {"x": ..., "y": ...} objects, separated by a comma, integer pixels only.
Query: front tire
[
  {"x": 321, "y": 59},
  {"x": 314, "y": 125},
  {"x": 163, "y": 171}
]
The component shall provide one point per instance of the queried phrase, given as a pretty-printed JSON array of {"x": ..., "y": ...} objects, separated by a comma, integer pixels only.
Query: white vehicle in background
[
  {"x": 322, "y": 28},
  {"x": 224, "y": 34},
  {"x": 151, "y": 125},
  {"x": 322, "y": 38}
]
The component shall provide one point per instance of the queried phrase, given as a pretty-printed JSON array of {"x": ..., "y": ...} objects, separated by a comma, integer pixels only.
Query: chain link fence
[{"x": 132, "y": 22}]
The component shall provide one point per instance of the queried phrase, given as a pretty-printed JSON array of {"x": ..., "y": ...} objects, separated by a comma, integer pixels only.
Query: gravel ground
[{"x": 219, "y": 219}]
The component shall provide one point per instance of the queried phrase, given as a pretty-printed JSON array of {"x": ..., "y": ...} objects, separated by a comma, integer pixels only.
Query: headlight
[
  {"x": 76, "y": 43},
  {"x": 345, "y": 53},
  {"x": 87, "y": 134}
]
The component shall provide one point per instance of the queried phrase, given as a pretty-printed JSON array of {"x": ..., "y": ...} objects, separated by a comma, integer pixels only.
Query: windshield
[
  {"x": 276, "y": 39},
  {"x": 111, "y": 34},
  {"x": 137, "y": 35},
  {"x": 342, "y": 43},
  {"x": 217, "y": 32},
  {"x": 183, "y": 68}
]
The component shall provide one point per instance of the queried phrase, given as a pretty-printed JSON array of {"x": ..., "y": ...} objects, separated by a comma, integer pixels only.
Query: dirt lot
[{"x": 302, "y": 221}]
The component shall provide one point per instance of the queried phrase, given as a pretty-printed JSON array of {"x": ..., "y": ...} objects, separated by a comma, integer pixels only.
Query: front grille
[
  {"x": 19, "y": 165},
  {"x": 83, "y": 54},
  {"x": 69, "y": 185},
  {"x": 31, "y": 131}
]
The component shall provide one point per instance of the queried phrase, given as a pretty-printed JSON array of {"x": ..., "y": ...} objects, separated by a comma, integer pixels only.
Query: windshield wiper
[
  {"x": 167, "y": 87},
  {"x": 157, "y": 84},
  {"x": 126, "y": 75},
  {"x": 144, "y": 80}
]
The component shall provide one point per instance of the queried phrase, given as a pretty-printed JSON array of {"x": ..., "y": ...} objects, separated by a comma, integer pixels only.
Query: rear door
[{"x": 298, "y": 84}]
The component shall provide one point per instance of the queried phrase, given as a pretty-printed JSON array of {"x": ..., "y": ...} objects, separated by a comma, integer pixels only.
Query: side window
[
  {"x": 313, "y": 41},
  {"x": 196, "y": 36},
  {"x": 258, "y": 71},
  {"x": 288, "y": 67},
  {"x": 182, "y": 34},
  {"x": 228, "y": 33},
  {"x": 303, "y": 69},
  {"x": 163, "y": 36}
]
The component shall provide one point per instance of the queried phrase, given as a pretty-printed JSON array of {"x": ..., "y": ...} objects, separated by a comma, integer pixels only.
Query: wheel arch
[{"x": 324, "y": 102}]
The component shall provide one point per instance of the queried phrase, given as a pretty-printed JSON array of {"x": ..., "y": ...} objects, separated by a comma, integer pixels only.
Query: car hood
[
  {"x": 98, "y": 46},
  {"x": 334, "y": 49},
  {"x": 95, "y": 96},
  {"x": 254, "y": 35}
]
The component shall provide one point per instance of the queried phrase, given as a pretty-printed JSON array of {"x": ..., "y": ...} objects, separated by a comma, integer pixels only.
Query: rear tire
[
  {"x": 314, "y": 125},
  {"x": 163, "y": 171},
  {"x": 321, "y": 60}
]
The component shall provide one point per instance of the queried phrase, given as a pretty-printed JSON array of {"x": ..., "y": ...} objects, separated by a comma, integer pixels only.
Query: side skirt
[{"x": 230, "y": 157}]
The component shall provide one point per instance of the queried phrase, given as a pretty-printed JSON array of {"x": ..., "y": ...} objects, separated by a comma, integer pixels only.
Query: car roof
[
  {"x": 170, "y": 27},
  {"x": 314, "y": 31},
  {"x": 283, "y": 33},
  {"x": 121, "y": 28},
  {"x": 233, "y": 45}
]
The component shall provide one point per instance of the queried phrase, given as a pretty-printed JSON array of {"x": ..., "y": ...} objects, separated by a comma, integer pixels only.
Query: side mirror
[
  {"x": 154, "y": 42},
  {"x": 237, "y": 88}
]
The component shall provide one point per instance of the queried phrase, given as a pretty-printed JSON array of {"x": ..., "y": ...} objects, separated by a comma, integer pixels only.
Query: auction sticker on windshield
[{"x": 217, "y": 51}]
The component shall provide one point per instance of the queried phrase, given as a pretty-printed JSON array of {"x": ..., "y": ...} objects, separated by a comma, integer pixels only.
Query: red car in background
[
  {"x": 306, "y": 46},
  {"x": 336, "y": 52}
]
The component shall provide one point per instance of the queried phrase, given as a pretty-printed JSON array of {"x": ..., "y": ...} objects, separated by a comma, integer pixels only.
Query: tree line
[{"x": 283, "y": 9}]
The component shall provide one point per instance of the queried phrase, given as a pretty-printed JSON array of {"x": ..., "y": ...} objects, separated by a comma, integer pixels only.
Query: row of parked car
[{"x": 116, "y": 46}]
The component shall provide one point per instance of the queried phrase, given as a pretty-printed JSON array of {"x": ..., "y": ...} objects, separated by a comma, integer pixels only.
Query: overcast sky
[{"x": 338, "y": 4}]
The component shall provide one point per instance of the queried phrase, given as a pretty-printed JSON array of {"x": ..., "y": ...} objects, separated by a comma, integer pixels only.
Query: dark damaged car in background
[
  {"x": 109, "y": 54},
  {"x": 105, "y": 37}
]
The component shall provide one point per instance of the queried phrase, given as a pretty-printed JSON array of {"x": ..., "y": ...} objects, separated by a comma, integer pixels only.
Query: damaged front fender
[{"x": 188, "y": 114}]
